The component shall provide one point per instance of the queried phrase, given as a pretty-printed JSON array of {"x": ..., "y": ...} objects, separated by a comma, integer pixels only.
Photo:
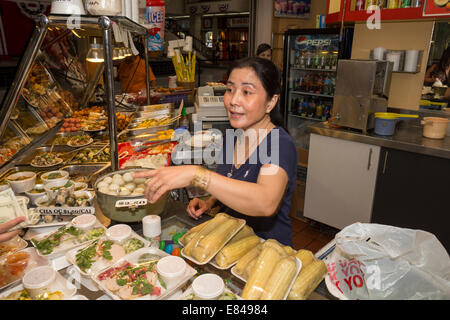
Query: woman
[
  {"x": 440, "y": 71},
  {"x": 264, "y": 51},
  {"x": 245, "y": 188}
]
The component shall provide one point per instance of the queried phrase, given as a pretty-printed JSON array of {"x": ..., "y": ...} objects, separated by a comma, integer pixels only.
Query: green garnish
[
  {"x": 84, "y": 258},
  {"x": 121, "y": 282},
  {"x": 106, "y": 247},
  {"x": 163, "y": 284},
  {"x": 133, "y": 245}
]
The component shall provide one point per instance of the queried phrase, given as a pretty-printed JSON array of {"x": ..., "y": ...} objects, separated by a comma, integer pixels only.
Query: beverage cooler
[{"x": 309, "y": 76}]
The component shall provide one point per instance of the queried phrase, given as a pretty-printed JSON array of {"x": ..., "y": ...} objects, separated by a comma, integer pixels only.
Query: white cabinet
[{"x": 341, "y": 179}]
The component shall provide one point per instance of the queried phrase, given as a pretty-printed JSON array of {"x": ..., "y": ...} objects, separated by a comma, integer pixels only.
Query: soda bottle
[
  {"x": 316, "y": 60},
  {"x": 319, "y": 110},
  {"x": 301, "y": 59},
  {"x": 406, "y": 3},
  {"x": 311, "y": 109},
  {"x": 319, "y": 87},
  {"x": 305, "y": 107},
  {"x": 308, "y": 59},
  {"x": 326, "y": 113},
  {"x": 300, "y": 84}
]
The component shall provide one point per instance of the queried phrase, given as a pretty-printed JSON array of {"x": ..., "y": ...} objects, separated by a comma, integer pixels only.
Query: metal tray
[
  {"x": 57, "y": 149},
  {"x": 97, "y": 138},
  {"x": 96, "y": 148},
  {"x": 135, "y": 132},
  {"x": 78, "y": 171},
  {"x": 151, "y": 108}
]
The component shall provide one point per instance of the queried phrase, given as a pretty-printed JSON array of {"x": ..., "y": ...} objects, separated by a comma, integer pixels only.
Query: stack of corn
[{"x": 184, "y": 66}]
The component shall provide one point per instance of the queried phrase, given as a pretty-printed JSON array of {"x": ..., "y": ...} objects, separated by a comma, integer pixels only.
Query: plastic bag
[{"x": 373, "y": 261}]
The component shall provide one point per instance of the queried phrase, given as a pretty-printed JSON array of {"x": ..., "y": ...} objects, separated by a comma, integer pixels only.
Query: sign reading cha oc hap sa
[{"x": 65, "y": 211}]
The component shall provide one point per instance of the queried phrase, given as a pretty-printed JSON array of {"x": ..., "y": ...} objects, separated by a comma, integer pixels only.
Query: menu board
[{"x": 436, "y": 8}]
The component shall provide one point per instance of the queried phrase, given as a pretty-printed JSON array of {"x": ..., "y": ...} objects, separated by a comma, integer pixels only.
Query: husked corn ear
[
  {"x": 308, "y": 280},
  {"x": 261, "y": 273},
  {"x": 243, "y": 262},
  {"x": 276, "y": 245},
  {"x": 212, "y": 224},
  {"x": 233, "y": 251},
  {"x": 245, "y": 232},
  {"x": 280, "y": 280},
  {"x": 289, "y": 250},
  {"x": 212, "y": 242},
  {"x": 249, "y": 269},
  {"x": 305, "y": 256},
  {"x": 188, "y": 236}
]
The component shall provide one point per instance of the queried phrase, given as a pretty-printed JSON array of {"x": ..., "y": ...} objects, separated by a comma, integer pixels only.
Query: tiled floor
[{"x": 311, "y": 235}]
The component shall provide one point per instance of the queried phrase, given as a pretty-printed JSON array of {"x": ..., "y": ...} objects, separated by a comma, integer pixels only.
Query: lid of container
[
  {"x": 208, "y": 286},
  {"x": 39, "y": 277},
  {"x": 171, "y": 266},
  {"x": 84, "y": 221},
  {"x": 118, "y": 232}
]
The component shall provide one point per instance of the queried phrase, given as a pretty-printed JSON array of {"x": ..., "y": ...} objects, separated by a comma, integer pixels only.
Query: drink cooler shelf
[{"x": 312, "y": 94}]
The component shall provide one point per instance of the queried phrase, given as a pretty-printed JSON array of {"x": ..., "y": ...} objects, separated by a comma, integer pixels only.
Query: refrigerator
[{"x": 309, "y": 76}]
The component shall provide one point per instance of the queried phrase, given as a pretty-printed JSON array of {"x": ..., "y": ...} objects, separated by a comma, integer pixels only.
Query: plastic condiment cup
[
  {"x": 84, "y": 221},
  {"x": 119, "y": 232},
  {"x": 171, "y": 269},
  {"x": 208, "y": 286},
  {"x": 39, "y": 280}
]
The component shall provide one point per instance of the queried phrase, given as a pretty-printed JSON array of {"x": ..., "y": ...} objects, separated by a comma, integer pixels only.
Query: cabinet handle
[
  {"x": 370, "y": 157},
  {"x": 385, "y": 161}
]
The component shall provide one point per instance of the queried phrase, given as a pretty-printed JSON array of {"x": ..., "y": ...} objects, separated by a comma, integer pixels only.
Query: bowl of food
[
  {"x": 52, "y": 188},
  {"x": 121, "y": 197},
  {"x": 35, "y": 193},
  {"x": 43, "y": 201},
  {"x": 46, "y": 160},
  {"x": 22, "y": 181},
  {"x": 55, "y": 176},
  {"x": 84, "y": 221},
  {"x": 80, "y": 186}
]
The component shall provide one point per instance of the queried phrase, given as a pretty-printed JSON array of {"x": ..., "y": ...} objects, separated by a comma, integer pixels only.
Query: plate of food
[
  {"x": 80, "y": 140},
  {"x": 46, "y": 160},
  {"x": 93, "y": 127}
]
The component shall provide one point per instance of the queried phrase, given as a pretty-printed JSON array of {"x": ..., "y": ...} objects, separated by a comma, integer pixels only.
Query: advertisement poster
[
  {"x": 292, "y": 8},
  {"x": 436, "y": 8}
]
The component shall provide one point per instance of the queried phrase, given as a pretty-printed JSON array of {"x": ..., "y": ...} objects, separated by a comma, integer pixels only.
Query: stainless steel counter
[{"x": 407, "y": 137}]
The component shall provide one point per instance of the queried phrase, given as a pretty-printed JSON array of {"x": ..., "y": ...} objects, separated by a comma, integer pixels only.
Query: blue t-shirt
[{"x": 278, "y": 226}]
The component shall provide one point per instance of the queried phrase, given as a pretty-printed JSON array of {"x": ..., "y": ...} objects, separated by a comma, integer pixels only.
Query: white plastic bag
[{"x": 373, "y": 261}]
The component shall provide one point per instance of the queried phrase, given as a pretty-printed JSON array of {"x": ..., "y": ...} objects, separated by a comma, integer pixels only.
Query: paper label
[
  {"x": 131, "y": 203},
  {"x": 66, "y": 211}
]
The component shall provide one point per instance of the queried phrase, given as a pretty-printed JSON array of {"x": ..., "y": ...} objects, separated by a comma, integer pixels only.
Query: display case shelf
[
  {"x": 312, "y": 94},
  {"x": 305, "y": 118},
  {"x": 313, "y": 69}
]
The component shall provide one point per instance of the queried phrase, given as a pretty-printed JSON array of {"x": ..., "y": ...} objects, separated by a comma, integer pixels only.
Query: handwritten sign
[
  {"x": 65, "y": 211},
  {"x": 131, "y": 203}
]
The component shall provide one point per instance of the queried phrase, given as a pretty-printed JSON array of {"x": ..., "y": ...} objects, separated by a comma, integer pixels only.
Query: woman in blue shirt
[{"x": 257, "y": 177}]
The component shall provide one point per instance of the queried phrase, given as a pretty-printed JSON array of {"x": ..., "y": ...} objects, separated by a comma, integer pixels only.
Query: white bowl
[
  {"x": 84, "y": 221},
  {"x": 57, "y": 184},
  {"x": 39, "y": 280},
  {"x": 41, "y": 200},
  {"x": 35, "y": 196},
  {"x": 80, "y": 186},
  {"x": 63, "y": 179},
  {"x": 171, "y": 269},
  {"x": 119, "y": 232},
  {"x": 22, "y": 185},
  {"x": 208, "y": 286}
]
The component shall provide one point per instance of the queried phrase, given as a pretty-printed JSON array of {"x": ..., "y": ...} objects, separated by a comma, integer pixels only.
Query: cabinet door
[{"x": 341, "y": 178}]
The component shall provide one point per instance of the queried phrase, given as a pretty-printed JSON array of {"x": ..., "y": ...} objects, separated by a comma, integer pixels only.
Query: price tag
[
  {"x": 131, "y": 203},
  {"x": 65, "y": 211}
]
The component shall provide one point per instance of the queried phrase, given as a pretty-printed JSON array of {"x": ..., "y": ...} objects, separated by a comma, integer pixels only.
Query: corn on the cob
[
  {"x": 243, "y": 262},
  {"x": 289, "y": 250},
  {"x": 211, "y": 243},
  {"x": 308, "y": 280},
  {"x": 276, "y": 245},
  {"x": 212, "y": 224},
  {"x": 280, "y": 280},
  {"x": 233, "y": 251},
  {"x": 245, "y": 232},
  {"x": 262, "y": 271},
  {"x": 249, "y": 269},
  {"x": 305, "y": 256},
  {"x": 188, "y": 236}
]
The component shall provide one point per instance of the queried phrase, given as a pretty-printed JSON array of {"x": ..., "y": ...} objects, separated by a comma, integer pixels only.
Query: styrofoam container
[
  {"x": 84, "y": 221},
  {"x": 65, "y": 177},
  {"x": 171, "y": 269},
  {"x": 39, "y": 280},
  {"x": 208, "y": 286},
  {"x": 22, "y": 185},
  {"x": 119, "y": 232},
  {"x": 34, "y": 196},
  {"x": 67, "y": 7}
]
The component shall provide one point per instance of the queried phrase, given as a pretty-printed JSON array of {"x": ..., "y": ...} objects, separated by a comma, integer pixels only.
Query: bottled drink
[
  {"x": 319, "y": 82},
  {"x": 300, "y": 84},
  {"x": 304, "y": 108},
  {"x": 323, "y": 59},
  {"x": 392, "y": 4},
  {"x": 311, "y": 109},
  {"x": 299, "y": 105},
  {"x": 360, "y": 5},
  {"x": 406, "y": 3},
  {"x": 309, "y": 60},
  {"x": 319, "y": 110},
  {"x": 301, "y": 59},
  {"x": 416, "y": 3},
  {"x": 326, "y": 85},
  {"x": 316, "y": 60}
]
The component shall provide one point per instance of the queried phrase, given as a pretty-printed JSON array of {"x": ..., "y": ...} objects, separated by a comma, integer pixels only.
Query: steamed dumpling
[
  {"x": 130, "y": 186},
  {"x": 140, "y": 180},
  {"x": 117, "y": 179},
  {"x": 102, "y": 184},
  {"x": 114, "y": 187},
  {"x": 108, "y": 180},
  {"x": 141, "y": 186},
  {"x": 104, "y": 190},
  {"x": 128, "y": 177},
  {"x": 138, "y": 191},
  {"x": 124, "y": 192}
]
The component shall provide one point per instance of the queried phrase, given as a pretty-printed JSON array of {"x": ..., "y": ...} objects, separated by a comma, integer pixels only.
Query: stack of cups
[
  {"x": 151, "y": 228},
  {"x": 378, "y": 53},
  {"x": 411, "y": 60},
  {"x": 395, "y": 58}
]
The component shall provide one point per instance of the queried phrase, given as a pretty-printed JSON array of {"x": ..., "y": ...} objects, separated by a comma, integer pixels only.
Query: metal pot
[{"x": 127, "y": 208}]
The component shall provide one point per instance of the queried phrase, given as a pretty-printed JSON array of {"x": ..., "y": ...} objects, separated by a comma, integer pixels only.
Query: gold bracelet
[{"x": 201, "y": 178}]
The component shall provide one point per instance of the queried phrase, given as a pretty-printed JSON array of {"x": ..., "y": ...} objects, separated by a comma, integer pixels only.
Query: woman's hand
[
  {"x": 165, "y": 179},
  {"x": 4, "y": 227},
  {"x": 197, "y": 207}
]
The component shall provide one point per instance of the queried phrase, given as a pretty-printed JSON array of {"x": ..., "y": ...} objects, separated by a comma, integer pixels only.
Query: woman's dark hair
[
  {"x": 262, "y": 47},
  {"x": 444, "y": 63},
  {"x": 270, "y": 78}
]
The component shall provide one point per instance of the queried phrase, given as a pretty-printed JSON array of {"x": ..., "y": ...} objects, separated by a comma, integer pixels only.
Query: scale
[{"x": 210, "y": 105}]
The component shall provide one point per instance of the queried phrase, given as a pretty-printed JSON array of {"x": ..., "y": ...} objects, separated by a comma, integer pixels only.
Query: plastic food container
[
  {"x": 434, "y": 127},
  {"x": 70, "y": 185},
  {"x": 21, "y": 186},
  {"x": 39, "y": 280},
  {"x": 119, "y": 232},
  {"x": 63, "y": 179},
  {"x": 34, "y": 196},
  {"x": 208, "y": 286},
  {"x": 84, "y": 221},
  {"x": 105, "y": 7},
  {"x": 385, "y": 122},
  {"x": 171, "y": 269}
]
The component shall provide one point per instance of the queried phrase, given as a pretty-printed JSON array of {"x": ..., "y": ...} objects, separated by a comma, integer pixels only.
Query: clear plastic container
[
  {"x": 104, "y": 7},
  {"x": 208, "y": 286},
  {"x": 119, "y": 232},
  {"x": 39, "y": 280},
  {"x": 171, "y": 269},
  {"x": 84, "y": 221}
]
